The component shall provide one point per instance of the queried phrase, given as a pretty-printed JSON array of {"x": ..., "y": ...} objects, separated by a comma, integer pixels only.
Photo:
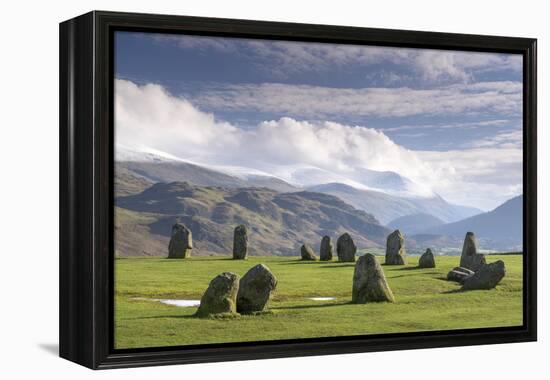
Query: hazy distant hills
[
  {"x": 278, "y": 222},
  {"x": 154, "y": 190},
  {"x": 389, "y": 207},
  {"x": 412, "y": 224},
  {"x": 502, "y": 225}
]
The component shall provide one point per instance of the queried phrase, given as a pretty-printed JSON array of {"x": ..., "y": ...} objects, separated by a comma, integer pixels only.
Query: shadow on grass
[
  {"x": 459, "y": 290},
  {"x": 407, "y": 275},
  {"x": 173, "y": 316},
  {"x": 309, "y": 306},
  {"x": 297, "y": 262}
]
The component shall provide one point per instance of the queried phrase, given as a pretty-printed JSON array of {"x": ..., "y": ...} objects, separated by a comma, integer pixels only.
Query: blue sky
[{"x": 437, "y": 116}]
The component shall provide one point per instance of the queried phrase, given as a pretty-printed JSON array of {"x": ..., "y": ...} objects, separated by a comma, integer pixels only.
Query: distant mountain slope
[
  {"x": 504, "y": 224},
  {"x": 411, "y": 224},
  {"x": 388, "y": 207},
  {"x": 128, "y": 182},
  {"x": 278, "y": 222}
]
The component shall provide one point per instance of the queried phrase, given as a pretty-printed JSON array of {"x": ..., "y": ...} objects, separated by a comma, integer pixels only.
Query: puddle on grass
[
  {"x": 322, "y": 298},
  {"x": 179, "y": 303}
]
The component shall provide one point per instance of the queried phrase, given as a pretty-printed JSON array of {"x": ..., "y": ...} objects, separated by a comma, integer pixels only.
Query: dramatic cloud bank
[
  {"x": 148, "y": 116},
  {"x": 503, "y": 98},
  {"x": 283, "y": 58}
]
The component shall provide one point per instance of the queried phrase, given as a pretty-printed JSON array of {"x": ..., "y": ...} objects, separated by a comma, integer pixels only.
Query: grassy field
[{"x": 424, "y": 301}]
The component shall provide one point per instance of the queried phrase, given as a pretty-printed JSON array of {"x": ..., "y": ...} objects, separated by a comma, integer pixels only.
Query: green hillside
[{"x": 278, "y": 223}]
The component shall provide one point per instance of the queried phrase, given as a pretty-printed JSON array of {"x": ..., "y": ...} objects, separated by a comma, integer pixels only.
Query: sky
[{"x": 449, "y": 121}]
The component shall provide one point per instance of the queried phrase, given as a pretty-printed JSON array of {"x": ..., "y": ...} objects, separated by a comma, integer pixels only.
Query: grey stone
[
  {"x": 255, "y": 289},
  {"x": 470, "y": 258},
  {"x": 181, "y": 242},
  {"x": 487, "y": 277},
  {"x": 221, "y": 296},
  {"x": 395, "y": 249},
  {"x": 325, "y": 252},
  {"x": 240, "y": 242},
  {"x": 459, "y": 274},
  {"x": 307, "y": 253},
  {"x": 369, "y": 282},
  {"x": 345, "y": 248},
  {"x": 427, "y": 260}
]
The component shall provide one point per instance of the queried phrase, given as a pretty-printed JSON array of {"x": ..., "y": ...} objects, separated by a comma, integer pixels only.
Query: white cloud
[
  {"x": 149, "y": 116},
  {"x": 504, "y": 98},
  {"x": 286, "y": 57}
]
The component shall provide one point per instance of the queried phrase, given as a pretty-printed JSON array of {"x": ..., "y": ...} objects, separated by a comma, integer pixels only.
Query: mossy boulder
[
  {"x": 459, "y": 274},
  {"x": 346, "y": 248},
  {"x": 255, "y": 289},
  {"x": 307, "y": 253},
  {"x": 470, "y": 258},
  {"x": 181, "y": 242},
  {"x": 427, "y": 260},
  {"x": 487, "y": 277},
  {"x": 325, "y": 251},
  {"x": 369, "y": 281},
  {"x": 240, "y": 242},
  {"x": 395, "y": 249},
  {"x": 221, "y": 296}
]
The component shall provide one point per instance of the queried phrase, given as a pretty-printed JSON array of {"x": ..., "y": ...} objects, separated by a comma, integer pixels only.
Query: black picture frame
[{"x": 86, "y": 189}]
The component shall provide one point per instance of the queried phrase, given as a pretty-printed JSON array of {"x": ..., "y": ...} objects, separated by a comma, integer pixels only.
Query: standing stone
[
  {"x": 369, "y": 281},
  {"x": 221, "y": 296},
  {"x": 345, "y": 248},
  {"x": 427, "y": 260},
  {"x": 326, "y": 249},
  {"x": 307, "y": 253},
  {"x": 240, "y": 242},
  {"x": 181, "y": 242},
  {"x": 395, "y": 249},
  {"x": 470, "y": 258},
  {"x": 459, "y": 274},
  {"x": 487, "y": 277},
  {"x": 255, "y": 289}
]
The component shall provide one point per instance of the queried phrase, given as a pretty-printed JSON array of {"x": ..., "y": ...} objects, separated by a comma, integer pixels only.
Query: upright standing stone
[
  {"x": 470, "y": 259},
  {"x": 221, "y": 296},
  {"x": 325, "y": 252},
  {"x": 307, "y": 253},
  {"x": 369, "y": 282},
  {"x": 255, "y": 289},
  {"x": 395, "y": 249},
  {"x": 487, "y": 277},
  {"x": 345, "y": 248},
  {"x": 240, "y": 242},
  {"x": 181, "y": 242},
  {"x": 427, "y": 259}
]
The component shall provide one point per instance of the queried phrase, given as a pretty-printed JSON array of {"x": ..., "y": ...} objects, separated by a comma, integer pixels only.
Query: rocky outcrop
[
  {"x": 369, "y": 282},
  {"x": 395, "y": 249},
  {"x": 181, "y": 242},
  {"x": 255, "y": 289},
  {"x": 427, "y": 260},
  {"x": 240, "y": 242},
  {"x": 325, "y": 252},
  {"x": 221, "y": 296},
  {"x": 307, "y": 253},
  {"x": 345, "y": 248},
  {"x": 459, "y": 274},
  {"x": 487, "y": 277},
  {"x": 470, "y": 258}
]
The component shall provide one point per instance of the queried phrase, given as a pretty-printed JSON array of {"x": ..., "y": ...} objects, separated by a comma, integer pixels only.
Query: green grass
[{"x": 424, "y": 301}]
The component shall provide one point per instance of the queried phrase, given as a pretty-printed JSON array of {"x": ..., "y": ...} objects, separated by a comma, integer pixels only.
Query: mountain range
[
  {"x": 278, "y": 223},
  {"x": 153, "y": 190},
  {"x": 386, "y": 206}
]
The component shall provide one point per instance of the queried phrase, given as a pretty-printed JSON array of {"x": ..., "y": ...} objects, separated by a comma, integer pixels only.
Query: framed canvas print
[{"x": 238, "y": 189}]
